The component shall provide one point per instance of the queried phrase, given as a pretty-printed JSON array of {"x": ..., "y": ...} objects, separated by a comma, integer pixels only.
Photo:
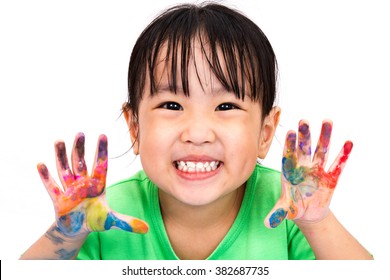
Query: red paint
[{"x": 347, "y": 150}]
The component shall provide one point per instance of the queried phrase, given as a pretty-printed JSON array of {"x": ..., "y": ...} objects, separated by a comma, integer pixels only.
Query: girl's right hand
[{"x": 80, "y": 206}]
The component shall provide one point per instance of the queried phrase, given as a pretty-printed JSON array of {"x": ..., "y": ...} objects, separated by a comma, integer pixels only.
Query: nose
[{"x": 198, "y": 129}]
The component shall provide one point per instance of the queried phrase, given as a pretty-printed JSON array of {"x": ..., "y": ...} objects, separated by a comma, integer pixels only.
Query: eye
[
  {"x": 226, "y": 106},
  {"x": 171, "y": 106}
]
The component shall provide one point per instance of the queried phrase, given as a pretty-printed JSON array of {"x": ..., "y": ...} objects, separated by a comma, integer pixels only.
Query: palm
[
  {"x": 307, "y": 188},
  {"x": 80, "y": 205}
]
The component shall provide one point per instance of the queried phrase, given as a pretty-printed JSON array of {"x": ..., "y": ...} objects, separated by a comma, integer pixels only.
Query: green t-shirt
[{"x": 247, "y": 239}]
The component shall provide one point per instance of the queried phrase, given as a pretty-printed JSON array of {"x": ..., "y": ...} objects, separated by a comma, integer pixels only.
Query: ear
[
  {"x": 267, "y": 132},
  {"x": 132, "y": 124}
]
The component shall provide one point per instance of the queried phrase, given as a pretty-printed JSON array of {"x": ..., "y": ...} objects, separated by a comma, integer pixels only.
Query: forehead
[
  {"x": 177, "y": 62},
  {"x": 197, "y": 55},
  {"x": 233, "y": 48}
]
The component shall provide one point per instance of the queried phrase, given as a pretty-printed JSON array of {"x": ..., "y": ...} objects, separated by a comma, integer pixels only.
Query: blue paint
[
  {"x": 113, "y": 221},
  {"x": 292, "y": 174},
  {"x": 70, "y": 224},
  {"x": 277, "y": 217},
  {"x": 102, "y": 150}
]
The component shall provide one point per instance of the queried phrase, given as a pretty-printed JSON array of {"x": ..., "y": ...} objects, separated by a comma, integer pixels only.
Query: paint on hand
[
  {"x": 323, "y": 143},
  {"x": 71, "y": 224},
  {"x": 277, "y": 217},
  {"x": 304, "y": 139},
  {"x": 80, "y": 205},
  {"x": 80, "y": 150},
  {"x": 308, "y": 186}
]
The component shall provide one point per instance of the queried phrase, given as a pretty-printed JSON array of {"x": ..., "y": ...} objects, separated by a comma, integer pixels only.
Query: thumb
[
  {"x": 100, "y": 217},
  {"x": 124, "y": 222},
  {"x": 276, "y": 215}
]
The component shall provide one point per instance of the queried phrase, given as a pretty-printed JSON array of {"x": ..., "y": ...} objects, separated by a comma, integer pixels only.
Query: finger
[
  {"x": 79, "y": 166},
  {"x": 304, "y": 143},
  {"x": 339, "y": 163},
  {"x": 289, "y": 206},
  {"x": 64, "y": 172},
  {"x": 276, "y": 216},
  {"x": 321, "y": 153},
  {"x": 289, "y": 161},
  {"x": 99, "y": 170},
  {"x": 51, "y": 186},
  {"x": 100, "y": 217}
]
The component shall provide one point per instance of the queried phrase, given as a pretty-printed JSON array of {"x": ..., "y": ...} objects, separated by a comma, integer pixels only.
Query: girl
[{"x": 200, "y": 113}]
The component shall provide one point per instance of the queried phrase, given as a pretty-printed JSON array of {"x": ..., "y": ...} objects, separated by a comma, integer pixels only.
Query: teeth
[{"x": 192, "y": 167}]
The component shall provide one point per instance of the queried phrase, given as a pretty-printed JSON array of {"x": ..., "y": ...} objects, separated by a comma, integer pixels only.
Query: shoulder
[
  {"x": 135, "y": 183},
  {"x": 262, "y": 190},
  {"x": 131, "y": 194},
  {"x": 138, "y": 178},
  {"x": 267, "y": 172},
  {"x": 266, "y": 182}
]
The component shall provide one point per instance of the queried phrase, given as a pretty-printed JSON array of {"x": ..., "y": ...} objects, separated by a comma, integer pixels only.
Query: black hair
[{"x": 247, "y": 55}]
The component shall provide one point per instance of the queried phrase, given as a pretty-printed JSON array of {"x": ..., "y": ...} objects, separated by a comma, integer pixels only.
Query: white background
[{"x": 63, "y": 69}]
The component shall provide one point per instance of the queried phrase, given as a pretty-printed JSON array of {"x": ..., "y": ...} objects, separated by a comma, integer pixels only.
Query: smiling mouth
[{"x": 197, "y": 167}]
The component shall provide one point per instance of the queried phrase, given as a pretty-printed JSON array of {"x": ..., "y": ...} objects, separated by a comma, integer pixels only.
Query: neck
[
  {"x": 195, "y": 231},
  {"x": 222, "y": 211}
]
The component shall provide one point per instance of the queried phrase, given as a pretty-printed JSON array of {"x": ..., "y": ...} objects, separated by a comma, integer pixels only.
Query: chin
[{"x": 197, "y": 200}]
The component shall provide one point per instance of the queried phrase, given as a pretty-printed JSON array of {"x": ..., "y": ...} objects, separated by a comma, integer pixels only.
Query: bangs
[{"x": 235, "y": 49}]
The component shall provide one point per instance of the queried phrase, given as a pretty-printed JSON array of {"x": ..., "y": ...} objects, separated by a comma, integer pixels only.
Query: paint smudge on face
[{"x": 277, "y": 217}]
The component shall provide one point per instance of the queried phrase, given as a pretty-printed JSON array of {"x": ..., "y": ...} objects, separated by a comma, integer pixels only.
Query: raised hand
[
  {"x": 307, "y": 188},
  {"x": 80, "y": 205}
]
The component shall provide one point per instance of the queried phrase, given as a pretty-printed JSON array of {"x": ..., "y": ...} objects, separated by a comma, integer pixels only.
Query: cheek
[
  {"x": 248, "y": 134},
  {"x": 244, "y": 143},
  {"x": 155, "y": 139}
]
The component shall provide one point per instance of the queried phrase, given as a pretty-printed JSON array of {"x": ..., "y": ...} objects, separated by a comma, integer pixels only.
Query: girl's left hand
[{"x": 307, "y": 188}]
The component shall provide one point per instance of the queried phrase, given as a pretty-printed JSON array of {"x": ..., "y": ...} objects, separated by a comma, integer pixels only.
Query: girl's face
[{"x": 200, "y": 148}]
